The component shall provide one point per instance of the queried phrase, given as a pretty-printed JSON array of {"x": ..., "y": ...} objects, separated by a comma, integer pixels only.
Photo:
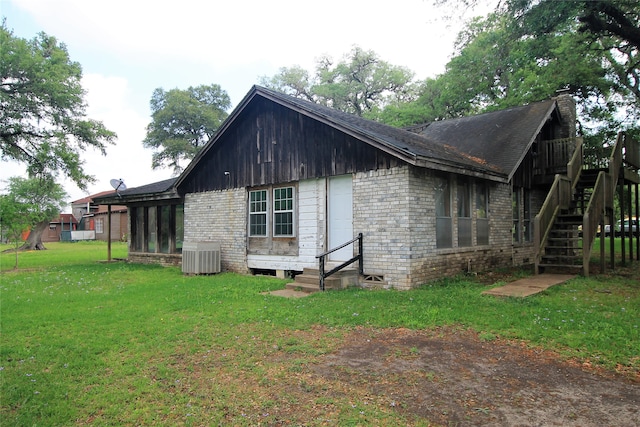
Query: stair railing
[
  {"x": 593, "y": 216},
  {"x": 574, "y": 167},
  {"x": 559, "y": 197},
  {"x": 322, "y": 256},
  {"x": 615, "y": 163}
]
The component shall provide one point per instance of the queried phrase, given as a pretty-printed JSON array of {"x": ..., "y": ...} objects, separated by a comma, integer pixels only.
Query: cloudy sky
[{"x": 127, "y": 48}]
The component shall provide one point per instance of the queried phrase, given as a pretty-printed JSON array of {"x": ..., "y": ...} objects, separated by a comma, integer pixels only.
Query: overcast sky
[{"x": 127, "y": 48}]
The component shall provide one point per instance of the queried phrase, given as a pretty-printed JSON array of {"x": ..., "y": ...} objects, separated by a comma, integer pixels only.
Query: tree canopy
[
  {"x": 183, "y": 121},
  {"x": 526, "y": 51},
  {"x": 361, "y": 83},
  {"x": 42, "y": 109}
]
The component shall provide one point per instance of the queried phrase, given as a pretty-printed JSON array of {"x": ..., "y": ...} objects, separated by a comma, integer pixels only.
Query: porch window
[
  {"x": 138, "y": 229},
  {"x": 482, "y": 213},
  {"x": 463, "y": 196},
  {"x": 157, "y": 229},
  {"x": 283, "y": 212},
  {"x": 527, "y": 223},
  {"x": 152, "y": 227},
  {"x": 164, "y": 221},
  {"x": 515, "y": 205},
  {"x": 258, "y": 213},
  {"x": 179, "y": 227},
  {"x": 442, "y": 192}
]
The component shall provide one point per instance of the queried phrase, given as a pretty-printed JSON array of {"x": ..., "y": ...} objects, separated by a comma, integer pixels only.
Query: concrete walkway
[
  {"x": 529, "y": 285},
  {"x": 520, "y": 288}
]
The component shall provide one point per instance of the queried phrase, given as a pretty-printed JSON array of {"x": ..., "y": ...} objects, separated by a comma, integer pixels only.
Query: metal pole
[
  {"x": 360, "y": 259},
  {"x": 321, "y": 273}
]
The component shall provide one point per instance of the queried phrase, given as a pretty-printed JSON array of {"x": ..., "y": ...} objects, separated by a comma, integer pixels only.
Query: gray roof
[
  {"x": 490, "y": 145},
  {"x": 160, "y": 190},
  {"x": 500, "y": 139},
  {"x": 410, "y": 146}
]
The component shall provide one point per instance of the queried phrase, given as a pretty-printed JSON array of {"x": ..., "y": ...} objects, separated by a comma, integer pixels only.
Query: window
[
  {"x": 258, "y": 213},
  {"x": 515, "y": 205},
  {"x": 152, "y": 227},
  {"x": 527, "y": 224},
  {"x": 99, "y": 225},
  {"x": 138, "y": 229},
  {"x": 482, "y": 213},
  {"x": 179, "y": 227},
  {"x": 272, "y": 212},
  {"x": 157, "y": 229},
  {"x": 283, "y": 212},
  {"x": 463, "y": 196},
  {"x": 442, "y": 191}
]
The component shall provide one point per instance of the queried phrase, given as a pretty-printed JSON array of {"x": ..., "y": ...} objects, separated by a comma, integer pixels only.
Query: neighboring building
[
  {"x": 93, "y": 217},
  {"x": 284, "y": 180},
  {"x": 58, "y": 227}
]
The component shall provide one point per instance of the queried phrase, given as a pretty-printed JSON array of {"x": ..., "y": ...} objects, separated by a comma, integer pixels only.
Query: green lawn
[{"x": 86, "y": 342}]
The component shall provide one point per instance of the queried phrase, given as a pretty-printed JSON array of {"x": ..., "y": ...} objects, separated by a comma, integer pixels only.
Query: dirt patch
[{"x": 452, "y": 377}]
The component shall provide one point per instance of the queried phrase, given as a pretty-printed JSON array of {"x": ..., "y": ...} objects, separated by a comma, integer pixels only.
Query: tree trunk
[{"x": 34, "y": 241}]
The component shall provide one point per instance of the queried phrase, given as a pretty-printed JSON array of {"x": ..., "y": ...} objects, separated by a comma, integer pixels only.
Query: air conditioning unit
[{"x": 200, "y": 257}]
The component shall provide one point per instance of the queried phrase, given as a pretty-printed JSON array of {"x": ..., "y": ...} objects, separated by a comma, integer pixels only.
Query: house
[
  {"x": 93, "y": 217},
  {"x": 284, "y": 180},
  {"x": 63, "y": 223}
]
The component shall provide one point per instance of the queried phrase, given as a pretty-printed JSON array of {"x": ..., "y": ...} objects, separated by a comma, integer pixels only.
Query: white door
[{"x": 340, "y": 222}]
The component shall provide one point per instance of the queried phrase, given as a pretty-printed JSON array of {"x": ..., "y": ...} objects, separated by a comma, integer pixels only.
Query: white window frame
[
  {"x": 264, "y": 213},
  {"x": 280, "y": 210},
  {"x": 99, "y": 225}
]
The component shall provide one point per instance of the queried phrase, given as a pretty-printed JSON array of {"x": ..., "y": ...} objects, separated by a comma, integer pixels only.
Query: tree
[
  {"x": 42, "y": 111},
  {"x": 31, "y": 203},
  {"x": 612, "y": 25},
  {"x": 497, "y": 66},
  {"x": 361, "y": 83},
  {"x": 13, "y": 222},
  {"x": 183, "y": 121}
]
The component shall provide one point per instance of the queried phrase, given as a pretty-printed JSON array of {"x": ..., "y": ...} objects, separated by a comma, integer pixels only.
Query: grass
[{"x": 85, "y": 342}]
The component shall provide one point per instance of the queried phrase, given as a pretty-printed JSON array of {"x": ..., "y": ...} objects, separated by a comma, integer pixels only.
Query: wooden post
[
  {"x": 637, "y": 225},
  {"x": 109, "y": 233},
  {"x": 630, "y": 223},
  {"x": 623, "y": 251}
]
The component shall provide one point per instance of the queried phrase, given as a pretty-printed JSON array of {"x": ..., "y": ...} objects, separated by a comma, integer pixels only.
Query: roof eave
[
  {"x": 460, "y": 169},
  {"x": 138, "y": 198}
]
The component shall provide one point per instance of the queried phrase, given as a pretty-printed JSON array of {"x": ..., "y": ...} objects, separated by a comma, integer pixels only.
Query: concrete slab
[
  {"x": 288, "y": 293},
  {"x": 529, "y": 285}
]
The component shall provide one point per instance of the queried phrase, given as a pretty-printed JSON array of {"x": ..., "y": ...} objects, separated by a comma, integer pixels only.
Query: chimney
[{"x": 567, "y": 107}]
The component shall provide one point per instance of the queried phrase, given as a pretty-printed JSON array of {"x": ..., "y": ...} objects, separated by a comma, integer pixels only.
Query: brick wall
[
  {"x": 167, "y": 260},
  {"x": 395, "y": 211},
  {"x": 381, "y": 213},
  {"x": 219, "y": 216}
]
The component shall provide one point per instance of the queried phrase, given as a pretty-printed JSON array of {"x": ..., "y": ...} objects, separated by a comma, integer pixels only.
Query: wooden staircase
[
  {"x": 563, "y": 251},
  {"x": 577, "y": 203}
]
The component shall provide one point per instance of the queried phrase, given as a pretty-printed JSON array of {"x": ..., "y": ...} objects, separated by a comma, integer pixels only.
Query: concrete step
[{"x": 309, "y": 280}]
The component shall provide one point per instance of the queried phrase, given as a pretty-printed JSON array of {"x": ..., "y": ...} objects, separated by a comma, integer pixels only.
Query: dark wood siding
[{"x": 269, "y": 144}]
